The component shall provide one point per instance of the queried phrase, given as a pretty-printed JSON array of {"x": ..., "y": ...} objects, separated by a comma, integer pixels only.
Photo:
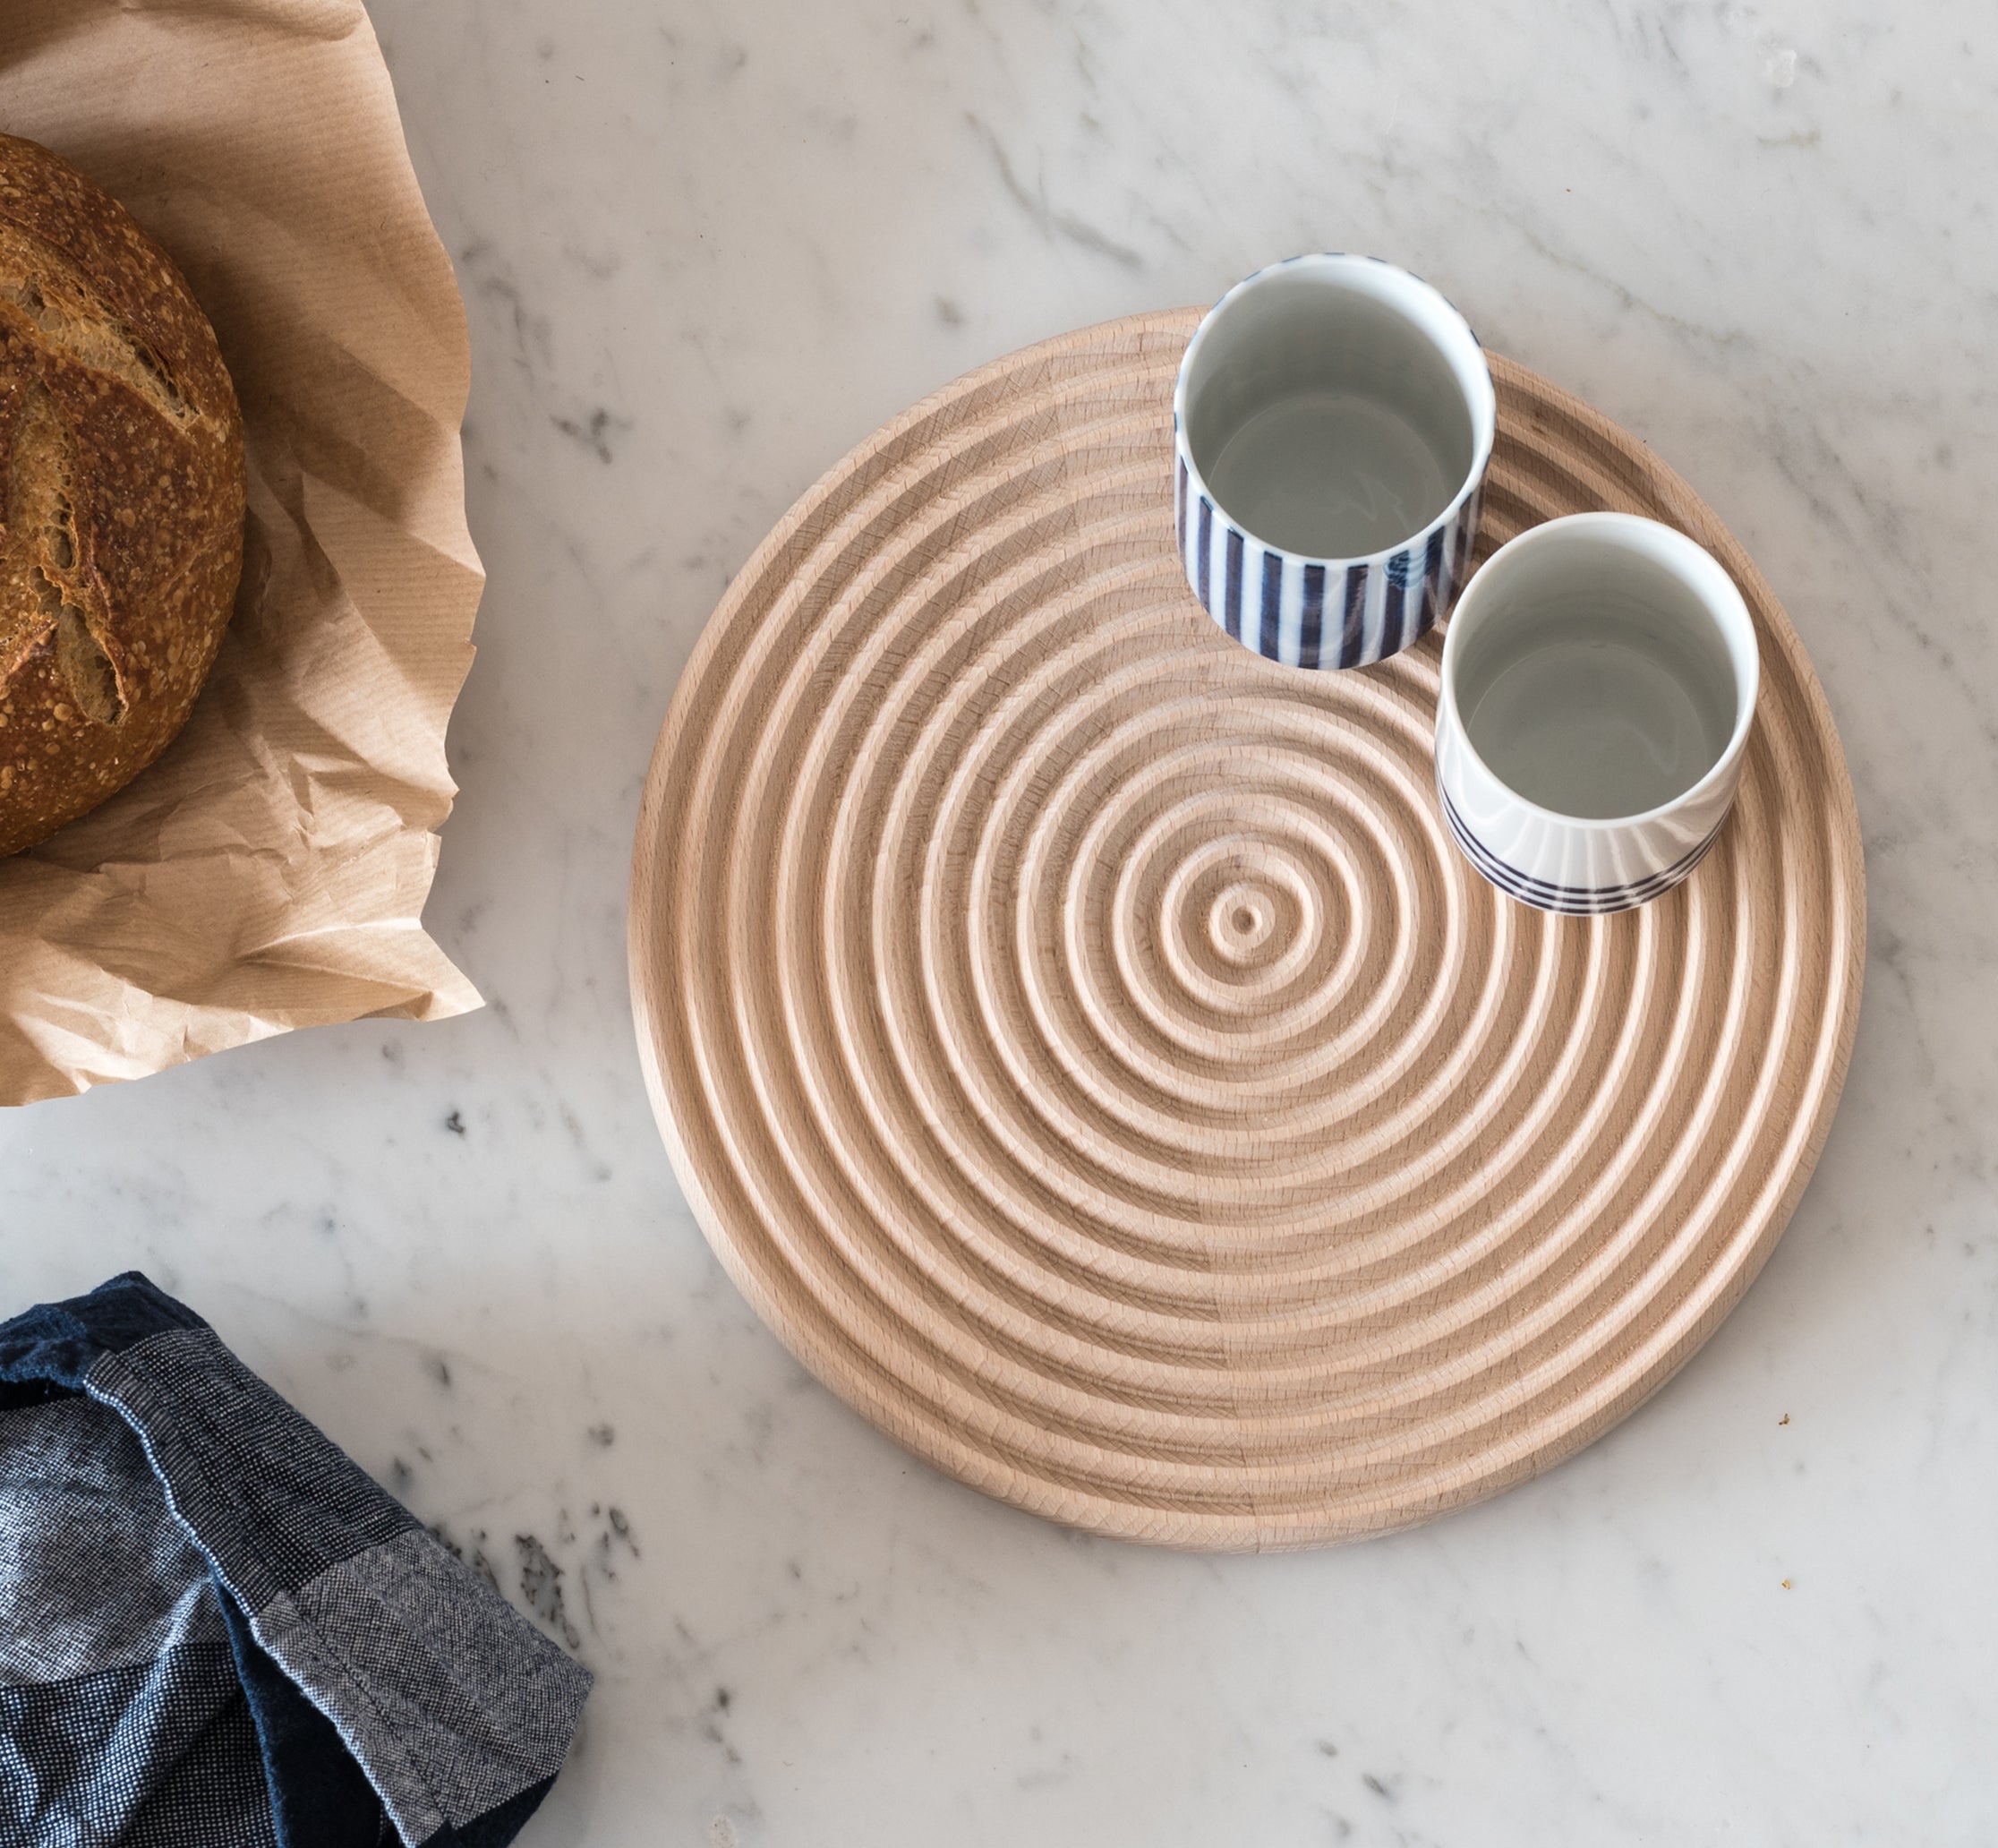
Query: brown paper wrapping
[{"x": 269, "y": 871}]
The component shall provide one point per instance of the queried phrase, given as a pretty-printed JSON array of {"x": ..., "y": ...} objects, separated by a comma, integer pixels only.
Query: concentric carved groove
[{"x": 1082, "y": 1043}]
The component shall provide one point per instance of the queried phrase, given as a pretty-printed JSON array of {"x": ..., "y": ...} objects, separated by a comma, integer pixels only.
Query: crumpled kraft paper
[{"x": 269, "y": 871}]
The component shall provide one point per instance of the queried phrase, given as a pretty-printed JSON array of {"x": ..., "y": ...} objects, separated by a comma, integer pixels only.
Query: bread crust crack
[{"x": 122, "y": 495}]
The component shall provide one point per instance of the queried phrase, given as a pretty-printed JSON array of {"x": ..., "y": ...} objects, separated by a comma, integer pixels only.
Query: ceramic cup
[
  {"x": 1333, "y": 420},
  {"x": 1598, "y": 682}
]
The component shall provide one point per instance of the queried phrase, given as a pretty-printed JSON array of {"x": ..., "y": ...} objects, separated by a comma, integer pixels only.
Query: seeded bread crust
[{"x": 121, "y": 496}]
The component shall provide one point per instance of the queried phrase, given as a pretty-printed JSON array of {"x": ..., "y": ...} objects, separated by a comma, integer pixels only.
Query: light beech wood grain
[{"x": 1082, "y": 1044}]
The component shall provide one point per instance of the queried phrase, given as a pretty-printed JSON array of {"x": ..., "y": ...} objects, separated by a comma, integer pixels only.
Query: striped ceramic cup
[
  {"x": 1333, "y": 420},
  {"x": 1599, "y": 684}
]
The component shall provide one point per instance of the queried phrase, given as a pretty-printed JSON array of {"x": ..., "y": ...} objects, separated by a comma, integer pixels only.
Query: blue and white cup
[
  {"x": 1332, "y": 422},
  {"x": 1599, "y": 684}
]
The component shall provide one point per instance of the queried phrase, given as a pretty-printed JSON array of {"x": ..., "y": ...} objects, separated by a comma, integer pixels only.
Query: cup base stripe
[{"x": 1573, "y": 900}]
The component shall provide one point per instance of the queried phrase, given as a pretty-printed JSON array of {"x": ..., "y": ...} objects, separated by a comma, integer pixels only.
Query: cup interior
[
  {"x": 1601, "y": 666},
  {"x": 1336, "y": 406}
]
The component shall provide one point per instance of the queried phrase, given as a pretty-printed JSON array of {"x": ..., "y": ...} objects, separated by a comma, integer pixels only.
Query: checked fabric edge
[{"x": 381, "y": 1673}]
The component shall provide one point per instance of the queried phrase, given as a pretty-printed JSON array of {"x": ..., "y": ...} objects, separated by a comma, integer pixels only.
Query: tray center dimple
[{"x": 1243, "y": 919}]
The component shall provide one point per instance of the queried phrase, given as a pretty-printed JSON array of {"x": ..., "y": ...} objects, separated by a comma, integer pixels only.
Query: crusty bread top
[{"x": 120, "y": 495}]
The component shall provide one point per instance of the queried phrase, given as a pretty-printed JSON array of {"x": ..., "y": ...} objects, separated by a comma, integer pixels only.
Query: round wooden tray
[{"x": 1082, "y": 1044}]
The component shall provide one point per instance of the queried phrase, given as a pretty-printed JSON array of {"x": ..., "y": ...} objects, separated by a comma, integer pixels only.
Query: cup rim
[
  {"x": 1728, "y": 604},
  {"x": 1484, "y": 411}
]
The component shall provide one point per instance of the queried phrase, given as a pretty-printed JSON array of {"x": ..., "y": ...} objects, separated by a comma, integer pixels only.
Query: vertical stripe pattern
[
  {"x": 1311, "y": 636},
  {"x": 1353, "y": 630},
  {"x": 1203, "y": 580},
  {"x": 1271, "y": 643},
  {"x": 1232, "y": 599},
  {"x": 1393, "y": 614},
  {"x": 1314, "y": 615}
]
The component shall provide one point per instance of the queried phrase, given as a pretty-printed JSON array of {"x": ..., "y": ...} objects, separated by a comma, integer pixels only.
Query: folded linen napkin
[{"x": 215, "y": 1629}]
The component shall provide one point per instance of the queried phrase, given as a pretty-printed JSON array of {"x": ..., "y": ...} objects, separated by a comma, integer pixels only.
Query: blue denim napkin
[{"x": 215, "y": 1629}]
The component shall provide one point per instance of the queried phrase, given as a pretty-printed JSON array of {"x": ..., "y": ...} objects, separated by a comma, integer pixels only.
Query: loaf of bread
[{"x": 121, "y": 496}]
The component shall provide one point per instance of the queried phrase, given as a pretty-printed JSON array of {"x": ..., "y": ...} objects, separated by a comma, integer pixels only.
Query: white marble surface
[{"x": 706, "y": 245}]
